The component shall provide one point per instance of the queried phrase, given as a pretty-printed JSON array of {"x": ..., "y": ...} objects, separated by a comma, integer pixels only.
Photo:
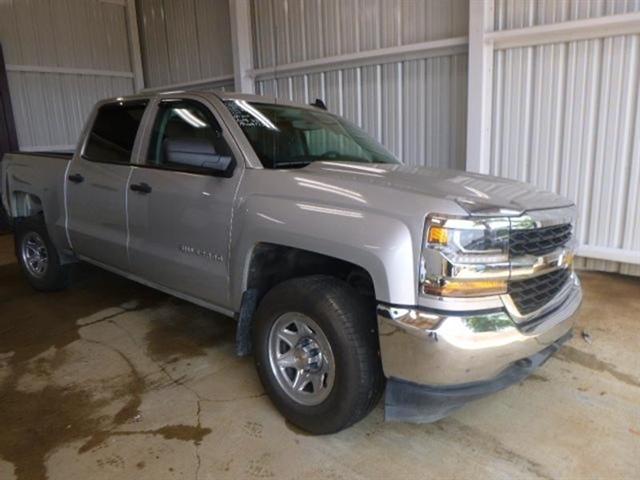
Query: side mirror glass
[{"x": 199, "y": 154}]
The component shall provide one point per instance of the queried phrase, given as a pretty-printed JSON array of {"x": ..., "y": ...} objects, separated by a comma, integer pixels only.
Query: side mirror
[{"x": 200, "y": 154}]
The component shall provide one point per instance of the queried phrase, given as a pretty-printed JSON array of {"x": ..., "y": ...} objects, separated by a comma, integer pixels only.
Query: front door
[
  {"x": 179, "y": 213},
  {"x": 96, "y": 185}
]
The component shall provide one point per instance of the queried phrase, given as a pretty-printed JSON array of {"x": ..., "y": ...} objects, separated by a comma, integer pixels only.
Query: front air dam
[{"x": 409, "y": 402}]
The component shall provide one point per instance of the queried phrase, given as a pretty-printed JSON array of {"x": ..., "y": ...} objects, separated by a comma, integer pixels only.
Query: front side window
[
  {"x": 114, "y": 131},
  {"x": 186, "y": 136},
  {"x": 288, "y": 137}
]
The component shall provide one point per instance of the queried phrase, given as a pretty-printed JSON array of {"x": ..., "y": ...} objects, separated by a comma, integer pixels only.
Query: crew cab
[{"x": 345, "y": 269}]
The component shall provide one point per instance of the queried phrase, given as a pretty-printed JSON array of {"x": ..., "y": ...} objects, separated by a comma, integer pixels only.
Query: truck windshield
[{"x": 289, "y": 137}]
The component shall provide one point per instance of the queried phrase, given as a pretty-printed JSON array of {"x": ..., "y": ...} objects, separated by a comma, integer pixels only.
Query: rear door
[
  {"x": 97, "y": 181},
  {"x": 179, "y": 214}
]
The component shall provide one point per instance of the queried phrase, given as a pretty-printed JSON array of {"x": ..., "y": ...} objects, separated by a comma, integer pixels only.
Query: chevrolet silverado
[{"x": 346, "y": 270}]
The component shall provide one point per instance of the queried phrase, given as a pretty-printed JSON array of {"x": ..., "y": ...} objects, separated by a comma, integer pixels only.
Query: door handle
[
  {"x": 140, "y": 187},
  {"x": 76, "y": 178}
]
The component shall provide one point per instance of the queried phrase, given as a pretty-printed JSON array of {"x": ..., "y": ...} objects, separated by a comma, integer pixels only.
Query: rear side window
[{"x": 114, "y": 132}]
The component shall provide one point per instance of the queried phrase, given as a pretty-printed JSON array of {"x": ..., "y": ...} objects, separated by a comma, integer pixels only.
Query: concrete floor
[{"x": 110, "y": 379}]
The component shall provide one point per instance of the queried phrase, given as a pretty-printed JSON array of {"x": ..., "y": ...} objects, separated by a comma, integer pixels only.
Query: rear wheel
[
  {"x": 38, "y": 256},
  {"x": 316, "y": 351}
]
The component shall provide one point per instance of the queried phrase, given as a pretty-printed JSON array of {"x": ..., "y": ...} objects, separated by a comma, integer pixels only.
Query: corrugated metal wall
[
  {"x": 287, "y": 31},
  {"x": 511, "y": 14},
  {"x": 416, "y": 108},
  {"x": 50, "y": 107},
  {"x": 184, "y": 41},
  {"x": 566, "y": 117}
]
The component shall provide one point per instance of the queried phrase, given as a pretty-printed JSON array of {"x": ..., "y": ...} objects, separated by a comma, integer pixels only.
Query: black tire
[
  {"x": 347, "y": 319},
  {"x": 55, "y": 276}
]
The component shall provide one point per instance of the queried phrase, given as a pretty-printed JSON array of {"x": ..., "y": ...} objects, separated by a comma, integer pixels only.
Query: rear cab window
[{"x": 113, "y": 133}]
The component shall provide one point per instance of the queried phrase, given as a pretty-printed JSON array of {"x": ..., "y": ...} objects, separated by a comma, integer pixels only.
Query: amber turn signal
[
  {"x": 438, "y": 235},
  {"x": 463, "y": 288}
]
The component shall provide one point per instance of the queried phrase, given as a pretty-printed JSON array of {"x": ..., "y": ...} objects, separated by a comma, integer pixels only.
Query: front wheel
[{"x": 316, "y": 351}]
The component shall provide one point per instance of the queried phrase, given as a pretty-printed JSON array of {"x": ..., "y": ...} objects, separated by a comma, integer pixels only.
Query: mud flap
[{"x": 244, "y": 318}]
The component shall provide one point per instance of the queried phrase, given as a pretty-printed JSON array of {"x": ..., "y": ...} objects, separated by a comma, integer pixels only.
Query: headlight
[{"x": 464, "y": 257}]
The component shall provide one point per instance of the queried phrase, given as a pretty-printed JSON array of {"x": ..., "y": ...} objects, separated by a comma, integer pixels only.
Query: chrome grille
[
  {"x": 538, "y": 241},
  {"x": 533, "y": 293}
]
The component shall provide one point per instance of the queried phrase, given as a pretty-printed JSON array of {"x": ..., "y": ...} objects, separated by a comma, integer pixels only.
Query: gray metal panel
[
  {"x": 65, "y": 33},
  {"x": 153, "y": 42},
  {"x": 510, "y": 14},
  {"x": 50, "y": 109},
  {"x": 214, "y": 38},
  {"x": 287, "y": 31},
  {"x": 565, "y": 118},
  {"x": 184, "y": 41},
  {"x": 416, "y": 108}
]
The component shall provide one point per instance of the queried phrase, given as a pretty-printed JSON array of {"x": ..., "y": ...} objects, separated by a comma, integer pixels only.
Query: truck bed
[{"x": 36, "y": 180}]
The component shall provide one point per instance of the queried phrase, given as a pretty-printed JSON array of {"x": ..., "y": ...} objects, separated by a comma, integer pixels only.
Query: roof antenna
[{"x": 319, "y": 104}]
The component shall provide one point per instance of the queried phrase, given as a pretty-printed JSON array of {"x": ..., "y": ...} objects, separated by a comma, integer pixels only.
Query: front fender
[{"x": 381, "y": 245}]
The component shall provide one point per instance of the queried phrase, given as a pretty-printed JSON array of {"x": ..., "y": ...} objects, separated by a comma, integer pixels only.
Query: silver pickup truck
[{"x": 343, "y": 268}]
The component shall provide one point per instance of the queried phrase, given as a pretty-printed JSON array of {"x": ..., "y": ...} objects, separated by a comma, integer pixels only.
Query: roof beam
[
  {"x": 68, "y": 71},
  {"x": 241, "y": 44},
  {"x": 480, "y": 87},
  {"x": 612, "y": 25},
  {"x": 401, "y": 53}
]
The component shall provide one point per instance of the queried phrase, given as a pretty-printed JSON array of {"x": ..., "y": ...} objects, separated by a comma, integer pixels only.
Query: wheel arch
[
  {"x": 270, "y": 264},
  {"x": 25, "y": 204}
]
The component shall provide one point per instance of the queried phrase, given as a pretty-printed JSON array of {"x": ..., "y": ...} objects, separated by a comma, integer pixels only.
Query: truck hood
[{"x": 478, "y": 195}]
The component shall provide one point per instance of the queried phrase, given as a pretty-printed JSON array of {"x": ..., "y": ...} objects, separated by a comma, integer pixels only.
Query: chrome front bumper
[{"x": 439, "y": 349}]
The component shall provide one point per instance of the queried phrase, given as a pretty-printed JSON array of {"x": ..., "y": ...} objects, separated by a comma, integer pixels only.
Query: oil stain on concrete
[
  {"x": 35, "y": 423},
  {"x": 187, "y": 335},
  {"x": 589, "y": 360}
]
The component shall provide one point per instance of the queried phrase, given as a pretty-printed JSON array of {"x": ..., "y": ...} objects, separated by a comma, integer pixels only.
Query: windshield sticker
[{"x": 242, "y": 116}]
